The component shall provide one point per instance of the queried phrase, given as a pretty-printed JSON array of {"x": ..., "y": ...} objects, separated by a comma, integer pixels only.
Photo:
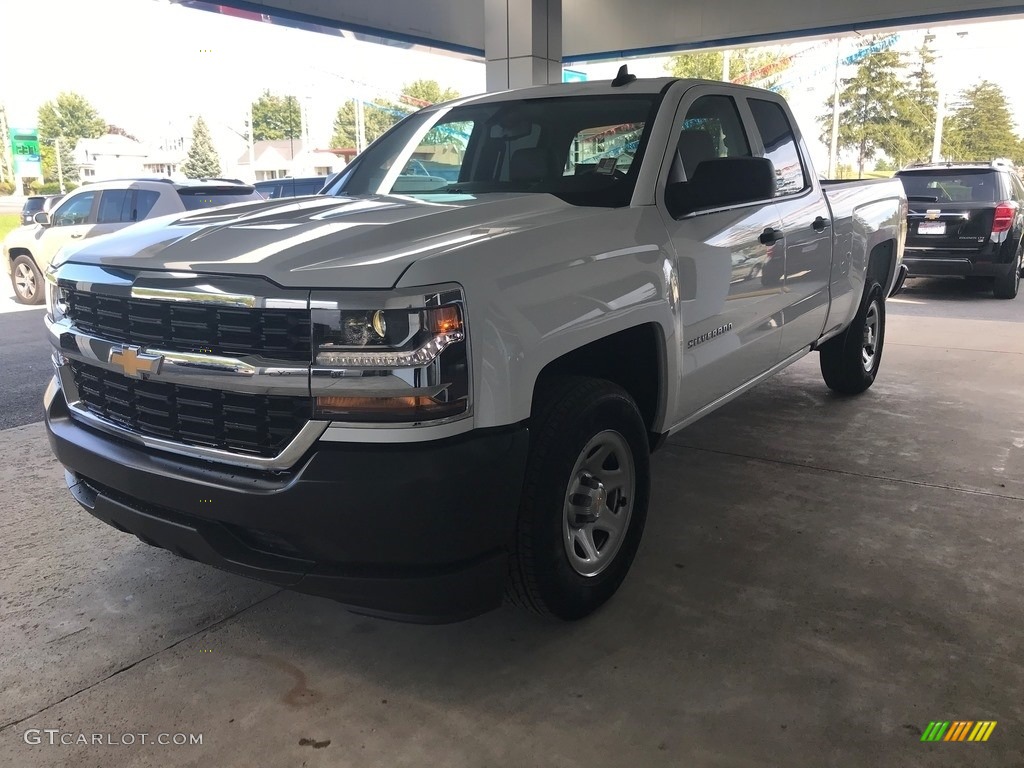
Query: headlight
[
  {"x": 56, "y": 297},
  {"x": 391, "y": 358}
]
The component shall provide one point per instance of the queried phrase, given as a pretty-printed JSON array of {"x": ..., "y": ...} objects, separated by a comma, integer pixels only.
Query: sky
[{"x": 150, "y": 66}]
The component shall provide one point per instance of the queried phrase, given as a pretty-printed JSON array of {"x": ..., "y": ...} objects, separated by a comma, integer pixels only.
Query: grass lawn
[{"x": 8, "y": 221}]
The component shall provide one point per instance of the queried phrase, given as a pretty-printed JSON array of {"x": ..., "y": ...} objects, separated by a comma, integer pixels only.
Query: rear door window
[
  {"x": 115, "y": 206},
  {"x": 780, "y": 146}
]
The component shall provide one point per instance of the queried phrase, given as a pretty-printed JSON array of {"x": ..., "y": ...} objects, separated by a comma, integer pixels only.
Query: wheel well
[
  {"x": 16, "y": 252},
  {"x": 881, "y": 263},
  {"x": 631, "y": 358}
]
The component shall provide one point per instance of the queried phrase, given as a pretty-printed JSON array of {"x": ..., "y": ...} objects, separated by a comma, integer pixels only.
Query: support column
[{"x": 522, "y": 43}]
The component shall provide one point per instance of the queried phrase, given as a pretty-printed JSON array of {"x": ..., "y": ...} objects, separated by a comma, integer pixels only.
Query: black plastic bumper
[
  {"x": 952, "y": 265},
  {"x": 412, "y": 531}
]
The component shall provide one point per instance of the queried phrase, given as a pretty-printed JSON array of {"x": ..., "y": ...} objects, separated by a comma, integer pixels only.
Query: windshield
[{"x": 585, "y": 150}]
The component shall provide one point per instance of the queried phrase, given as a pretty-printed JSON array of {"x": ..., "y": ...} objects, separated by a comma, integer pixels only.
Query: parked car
[
  {"x": 966, "y": 220},
  {"x": 288, "y": 187},
  {"x": 37, "y": 203},
  {"x": 415, "y": 401},
  {"x": 99, "y": 209}
]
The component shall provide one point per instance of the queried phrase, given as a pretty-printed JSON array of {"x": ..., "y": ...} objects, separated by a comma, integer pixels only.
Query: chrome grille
[
  {"x": 258, "y": 425},
  {"x": 280, "y": 334}
]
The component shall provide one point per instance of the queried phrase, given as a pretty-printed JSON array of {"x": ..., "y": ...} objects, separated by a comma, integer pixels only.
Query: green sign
[
  {"x": 573, "y": 76},
  {"x": 25, "y": 147}
]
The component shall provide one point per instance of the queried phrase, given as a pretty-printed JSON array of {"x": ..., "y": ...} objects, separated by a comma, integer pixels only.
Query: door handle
[
  {"x": 770, "y": 236},
  {"x": 77, "y": 235},
  {"x": 820, "y": 224}
]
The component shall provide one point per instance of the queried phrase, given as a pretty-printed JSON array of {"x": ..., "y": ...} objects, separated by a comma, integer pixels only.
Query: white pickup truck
[{"x": 439, "y": 382}]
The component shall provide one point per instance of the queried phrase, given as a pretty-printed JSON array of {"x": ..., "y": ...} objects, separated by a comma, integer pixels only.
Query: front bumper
[{"x": 415, "y": 531}]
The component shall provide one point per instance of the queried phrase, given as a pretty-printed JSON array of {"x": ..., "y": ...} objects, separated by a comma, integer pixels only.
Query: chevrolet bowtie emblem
[{"x": 134, "y": 362}]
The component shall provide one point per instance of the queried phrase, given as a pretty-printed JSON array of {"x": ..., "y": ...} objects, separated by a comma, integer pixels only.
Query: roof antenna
[{"x": 623, "y": 78}]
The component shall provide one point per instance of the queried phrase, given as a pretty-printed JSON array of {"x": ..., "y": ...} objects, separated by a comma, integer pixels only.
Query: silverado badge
[{"x": 133, "y": 362}]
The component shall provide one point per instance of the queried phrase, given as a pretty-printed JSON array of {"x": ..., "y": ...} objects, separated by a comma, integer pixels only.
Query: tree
[
  {"x": 48, "y": 159},
  {"x": 63, "y": 122},
  {"x": 919, "y": 105},
  {"x": 70, "y": 116},
  {"x": 749, "y": 65},
  {"x": 381, "y": 114},
  {"x": 981, "y": 126},
  {"x": 202, "y": 161},
  {"x": 116, "y": 129},
  {"x": 871, "y": 110},
  {"x": 276, "y": 117},
  {"x": 378, "y": 118}
]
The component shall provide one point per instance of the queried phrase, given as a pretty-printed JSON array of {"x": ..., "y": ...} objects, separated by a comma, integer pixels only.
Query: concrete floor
[{"x": 820, "y": 578}]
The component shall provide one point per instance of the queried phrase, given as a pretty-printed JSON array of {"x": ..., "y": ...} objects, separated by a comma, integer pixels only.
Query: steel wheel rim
[
  {"x": 24, "y": 281},
  {"x": 869, "y": 351},
  {"x": 595, "y": 518}
]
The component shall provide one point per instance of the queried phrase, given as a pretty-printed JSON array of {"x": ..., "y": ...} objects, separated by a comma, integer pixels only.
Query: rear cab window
[{"x": 780, "y": 146}]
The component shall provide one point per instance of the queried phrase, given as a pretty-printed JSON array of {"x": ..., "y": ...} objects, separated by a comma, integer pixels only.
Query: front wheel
[
  {"x": 850, "y": 361},
  {"x": 585, "y": 497},
  {"x": 27, "y": 281}
]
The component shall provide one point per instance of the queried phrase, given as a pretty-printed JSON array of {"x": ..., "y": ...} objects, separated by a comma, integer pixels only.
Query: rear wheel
[
  {"x": 27, "y": 281},
  {"x": 850, "y": 361},
  {"x": 1007, "y": 286},
  {"x": 584, "y": 498}
]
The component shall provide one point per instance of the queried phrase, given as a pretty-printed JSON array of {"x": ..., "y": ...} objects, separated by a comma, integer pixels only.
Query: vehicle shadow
[{"x": 950, "y": 288}]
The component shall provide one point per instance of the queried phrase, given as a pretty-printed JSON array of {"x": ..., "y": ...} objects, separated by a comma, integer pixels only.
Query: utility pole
[
  {"x": 940, "y": 117},
  {"x": 360, "y": 126},
  {"x": 249, "y": 138},
  {"x": 291, "y": 135},
  {"x": 726, "y": 61},
  {"x": 940, "y": 105},
  {"x": 833, "y": 152},
  {"x": 60, "y": 168}
]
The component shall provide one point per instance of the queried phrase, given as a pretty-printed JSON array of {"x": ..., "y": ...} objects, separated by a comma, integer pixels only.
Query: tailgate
[{"x": 949, "y": 226}]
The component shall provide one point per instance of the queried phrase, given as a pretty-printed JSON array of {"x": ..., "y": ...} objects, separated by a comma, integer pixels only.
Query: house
[
  {"x": 286, "y": 157},
  {"x": 114, "y": 156}
]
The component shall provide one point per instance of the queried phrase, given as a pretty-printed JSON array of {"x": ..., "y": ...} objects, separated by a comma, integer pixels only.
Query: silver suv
[{"x": 99, "y": 209}]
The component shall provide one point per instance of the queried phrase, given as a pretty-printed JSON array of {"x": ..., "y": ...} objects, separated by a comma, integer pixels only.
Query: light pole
[{"x": 56, "y": 150}]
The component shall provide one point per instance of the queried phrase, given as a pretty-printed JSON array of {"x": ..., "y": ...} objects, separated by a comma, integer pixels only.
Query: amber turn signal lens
[
  {"x": 334, "y": 402},
  {"x": 445, "y": 320}
]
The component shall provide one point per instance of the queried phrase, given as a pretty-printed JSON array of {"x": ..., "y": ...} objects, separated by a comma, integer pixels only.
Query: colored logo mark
[{"x": 958, "y": 730}]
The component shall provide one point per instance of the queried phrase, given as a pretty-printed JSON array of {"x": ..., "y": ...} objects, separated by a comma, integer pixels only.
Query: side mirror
[
  {"x": 42, "y": 217},
  {"x": 722, "y": 182}
]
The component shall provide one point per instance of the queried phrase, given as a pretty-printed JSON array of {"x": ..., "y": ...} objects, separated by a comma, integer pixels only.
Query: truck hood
[{"x": 337, "y": 242}]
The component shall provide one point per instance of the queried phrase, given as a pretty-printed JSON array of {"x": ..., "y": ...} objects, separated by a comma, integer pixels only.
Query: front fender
[{"x": 541, "y": 293}]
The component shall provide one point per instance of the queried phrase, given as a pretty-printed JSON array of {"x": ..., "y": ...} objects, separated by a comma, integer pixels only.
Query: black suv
[
  {"x": 272, "y": 189},
  {"x": 37, "y": 203},
  {"x": 965, "y": 220}
]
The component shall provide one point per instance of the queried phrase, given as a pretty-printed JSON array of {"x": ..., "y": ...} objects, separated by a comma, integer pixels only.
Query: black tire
[
  {"x": 844, "y": 360},
  {"x": 1007, "y": 286},
  {"x": 27, "y": 281},
  {"x": 569, "y": 414}
]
